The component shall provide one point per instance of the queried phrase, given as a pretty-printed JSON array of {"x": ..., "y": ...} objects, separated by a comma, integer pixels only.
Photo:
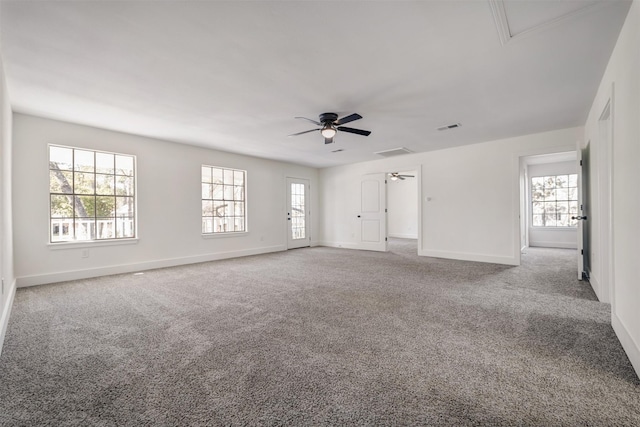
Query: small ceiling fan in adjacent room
[
  {"x": 330, "y": 125},
  {"x": 394, "y": 176}
]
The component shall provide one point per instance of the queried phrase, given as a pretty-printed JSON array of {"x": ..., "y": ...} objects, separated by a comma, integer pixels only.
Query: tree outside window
[
  {"x": 554, "y": 200},
  {"x": 91, "y": 195}
]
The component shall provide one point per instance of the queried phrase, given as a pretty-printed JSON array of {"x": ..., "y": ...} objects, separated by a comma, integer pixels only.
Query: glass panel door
[{"x": 297, "y": 213}]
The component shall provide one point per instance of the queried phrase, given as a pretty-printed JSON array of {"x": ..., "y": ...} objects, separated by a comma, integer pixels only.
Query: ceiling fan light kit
[
  {"x": 330, "y": 125},
  {"x": 328, "y": 131}
]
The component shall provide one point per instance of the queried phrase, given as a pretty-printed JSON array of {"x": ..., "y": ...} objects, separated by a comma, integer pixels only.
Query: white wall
[
  {"x": 621, "y": 85},
  {"x": 551, "y": 237},
  {"x": 469, "y": 196},
  {"x": 402, "y": 205},
  {"x": 169, "y": 204},
  {"x": 7, "y": 289}
]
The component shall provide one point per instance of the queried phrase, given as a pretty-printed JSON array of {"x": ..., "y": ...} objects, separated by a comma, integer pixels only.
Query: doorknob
[{"x": 579, "y": 217}]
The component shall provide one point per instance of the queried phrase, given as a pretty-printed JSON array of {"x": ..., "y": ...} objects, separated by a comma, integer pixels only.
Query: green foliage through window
[
  {"x": 554, "y": 200},
  {"x": 91, "y": 195}
]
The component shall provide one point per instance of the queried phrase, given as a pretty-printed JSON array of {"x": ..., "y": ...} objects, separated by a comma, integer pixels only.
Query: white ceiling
[{"x": 232, "y": 75}]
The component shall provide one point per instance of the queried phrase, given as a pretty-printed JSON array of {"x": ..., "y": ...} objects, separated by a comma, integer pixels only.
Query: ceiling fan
[
  {"x": 330, "y": 125},
  {"x": 396, "y": 176}
]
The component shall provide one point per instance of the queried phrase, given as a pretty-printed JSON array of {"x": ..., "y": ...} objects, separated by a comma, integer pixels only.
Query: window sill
[
  {"x": 224, "y": 235},
  {"x": 554, "y": 228},
  {"x": 92, "y": 243}
]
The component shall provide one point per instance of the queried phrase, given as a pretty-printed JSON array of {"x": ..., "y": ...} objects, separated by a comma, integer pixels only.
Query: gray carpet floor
[{"x": 320, "y": 336}]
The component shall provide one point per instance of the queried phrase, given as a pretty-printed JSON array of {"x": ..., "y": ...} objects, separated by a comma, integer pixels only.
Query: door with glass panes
[{"x": 298, "y": 213}]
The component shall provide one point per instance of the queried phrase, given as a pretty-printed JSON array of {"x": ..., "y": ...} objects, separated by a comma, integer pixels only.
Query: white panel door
[
  {"x": 371, "y": 220},
  {"x": 298, "y": 213}
]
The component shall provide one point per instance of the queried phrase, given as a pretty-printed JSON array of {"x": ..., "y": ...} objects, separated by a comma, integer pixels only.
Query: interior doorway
[
  {"x": 403, "y": 206},
  {"x": 597, "y": 204},
  {"x": 549, "y": 198},
  {"x": 375, "y": 211},
  {"x": 597, "y": 182}
]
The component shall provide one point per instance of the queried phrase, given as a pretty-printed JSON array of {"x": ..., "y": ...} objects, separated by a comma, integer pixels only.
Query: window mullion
[
  {"x": 83, "y": 170},
  {"x": 73, "y": 194}
]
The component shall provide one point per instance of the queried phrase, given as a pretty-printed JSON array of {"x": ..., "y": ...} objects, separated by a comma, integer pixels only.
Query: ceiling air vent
[
  {"x": 453, "y": 126},
  {"x": 393, "y": 152}
]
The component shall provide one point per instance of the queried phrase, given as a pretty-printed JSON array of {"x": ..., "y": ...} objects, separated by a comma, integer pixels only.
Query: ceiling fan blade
[
  {"x": 306, "y": 131},
  {"x": 407, "y": 176},
  {"x": 347, "y": 119},
  {"x": 356, "y": 131},
  {"x": 328, "y": 140},
  {"x": 310, "y": 120},
  {"x": 400, "y": 177}
]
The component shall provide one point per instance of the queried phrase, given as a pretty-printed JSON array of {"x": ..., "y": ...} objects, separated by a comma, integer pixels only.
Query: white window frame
[
  {"x": 71, "y": 222},
  {"x": 572, "y": 223},
  {"x": 216, "y": 200}
]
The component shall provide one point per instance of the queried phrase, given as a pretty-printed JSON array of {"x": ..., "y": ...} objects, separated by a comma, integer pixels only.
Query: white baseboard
[
  {"x": 628, "y": 343},
  {"x": 559, "y": 245},
  {"x": 403, "y": 236},
  {"x": 595, "y": 285},
  {"x": 43, "y": 279},
  {"x": 6, "y": 311},
  {"x": 494, "y": 259}
]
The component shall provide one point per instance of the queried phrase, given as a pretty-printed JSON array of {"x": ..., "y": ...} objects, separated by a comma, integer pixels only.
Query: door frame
[
  {"x": 520, "y": 191},
  {"x": 605, "y": 188},
  {"x": 417, "y": 168},
  {"x": 420, "y": 199},
  {"x": 307, "y": 199},
  {"x": 417, "y": 172},
  {"x": 600, "y": 140}
]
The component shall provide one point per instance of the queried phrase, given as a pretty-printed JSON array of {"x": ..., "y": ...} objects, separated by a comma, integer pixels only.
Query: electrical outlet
[{"x": 85, "y": 253}]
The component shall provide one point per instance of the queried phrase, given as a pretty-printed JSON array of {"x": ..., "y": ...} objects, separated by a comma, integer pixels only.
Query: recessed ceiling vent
[
  {"x": 393, "y": 152},
  {"x": 453, "y": 126}
]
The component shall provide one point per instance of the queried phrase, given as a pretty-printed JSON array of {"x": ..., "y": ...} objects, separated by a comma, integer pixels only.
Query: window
[
  {"x": 297, "y": 216},
  {"x": 223, "y": 200},
  {"x": 554, "y": 200},
  {"x": 91, "y": 195}
]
